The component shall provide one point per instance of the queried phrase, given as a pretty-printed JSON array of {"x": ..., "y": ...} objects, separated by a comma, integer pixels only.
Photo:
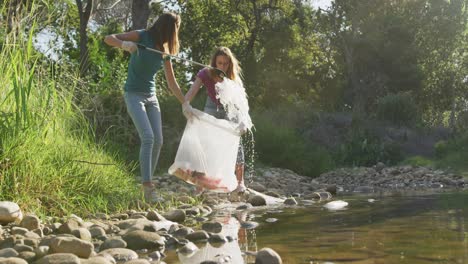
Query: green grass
[
  {"x": 454, "y": 160},
  {"x": 49, "y": 162},
  {"x": 418, "y": 161}
]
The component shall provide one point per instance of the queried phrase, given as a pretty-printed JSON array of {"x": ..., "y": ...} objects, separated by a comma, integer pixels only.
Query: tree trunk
[
  {"x": 140, "y": 14},
  {"x": 84, "y": 18},
  {"x": 353, "y": 79}
]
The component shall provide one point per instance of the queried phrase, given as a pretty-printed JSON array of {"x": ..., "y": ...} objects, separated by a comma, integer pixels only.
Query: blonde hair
[
  {"x": 234, "y": 71},
  {"x": 165, "y": 32}
]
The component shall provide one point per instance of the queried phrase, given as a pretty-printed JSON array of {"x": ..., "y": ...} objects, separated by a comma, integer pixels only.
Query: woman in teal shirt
[{"x": 140, "y": 90}]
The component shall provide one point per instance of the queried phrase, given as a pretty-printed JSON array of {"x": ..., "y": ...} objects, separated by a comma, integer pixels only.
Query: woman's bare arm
[{"x": 115, "y": 40}]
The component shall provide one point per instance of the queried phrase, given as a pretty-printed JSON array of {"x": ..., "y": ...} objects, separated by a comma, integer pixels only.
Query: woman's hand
[
  {"x": 129, "y": 46},
  {"x": 166, "y": 56},
  {"x": 187, "y": 110}
]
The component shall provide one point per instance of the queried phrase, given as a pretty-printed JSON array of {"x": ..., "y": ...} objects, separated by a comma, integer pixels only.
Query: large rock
[
  {"x": 20, "y": 248},
  {"x": 8, "y": 253},
  {"x": 28, "y": 256},
  {"x": 182, "y": 232},
  {"x": 59, "y": 258},
  {"x": 198, "y": 236},
  {"x": 257, "y": 187},
  {"x": 257, "y": 200},
  {"x": 98, "y": 260},
  {"x": 154, "y": 216},
  {"x": 139, "y": 224},
  {"x": 10, "y": 212},
  {"x": 82, "y": 233},
  {"x": 80, "y": 248},
  {"x": 120, "y": 254},
  {"x": 31, "y": 222},
  {"x": 12, "y": 261},
  {"x": 212, "y": 227},
  {"x": 97, "y": 231},
  {"x": 68, "y": 227},
  {"x": 41, "y": 251},
  {"x": 290, "y": 201},
  {"x": 267, "y": 256},
  {"x": 188, "y": 249},
  {"x": 140, "y": 239},
  {"x": 113, "y": 242},
  {"x": 176, "y": 215}
]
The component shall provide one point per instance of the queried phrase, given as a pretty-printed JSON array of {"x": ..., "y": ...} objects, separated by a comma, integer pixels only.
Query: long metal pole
[{"x": 221, "y": 73}]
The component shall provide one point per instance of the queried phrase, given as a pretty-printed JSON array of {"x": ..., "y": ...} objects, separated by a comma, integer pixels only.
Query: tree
[
  {"x": 276, "y": 42},
  {"x": 140, "y": 13},
  {"x": 443, "y": 44},
  {"x": 84, "y": 11}
]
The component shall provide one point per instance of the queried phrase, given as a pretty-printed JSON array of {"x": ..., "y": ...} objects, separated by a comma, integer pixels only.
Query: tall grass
[{"x": 49, "y": 162}]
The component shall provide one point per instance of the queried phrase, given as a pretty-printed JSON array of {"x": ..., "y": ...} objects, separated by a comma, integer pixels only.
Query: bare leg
[{"x": 240, "y": 177}]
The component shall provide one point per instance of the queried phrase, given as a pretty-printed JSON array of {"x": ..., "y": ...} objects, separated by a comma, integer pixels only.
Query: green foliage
[
  {"x": 398, "y": 109},
  {"x": 453, "y": 153},
  {"x": 363, "y": 148},
  {"x": 275, "y": 41},
  {"x": 418, "y": 161},
  {"x": 281, "y": 146},
  {"x": 202, "y": 30},
  {"x": 443, "y": 43},
  {"x": 391, "y": 47},
  {"x": 174, "y": 124},
  {"x": 441, "y": 149},
  {"x": 60, "y": 175},
  {"x": 49, "y": 162},
  {"x": 108, "y": 66},
  {"x": 292, "y": 54}
]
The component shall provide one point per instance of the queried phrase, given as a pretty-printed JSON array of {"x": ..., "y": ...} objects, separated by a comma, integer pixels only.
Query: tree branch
[{"x": 110, "y": 7}]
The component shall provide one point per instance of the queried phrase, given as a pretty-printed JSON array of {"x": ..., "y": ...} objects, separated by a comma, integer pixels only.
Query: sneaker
[{"x": 151, "y": 196}]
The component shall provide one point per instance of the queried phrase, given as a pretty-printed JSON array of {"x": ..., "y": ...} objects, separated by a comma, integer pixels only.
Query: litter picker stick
[{"x": 219, "y": 72}]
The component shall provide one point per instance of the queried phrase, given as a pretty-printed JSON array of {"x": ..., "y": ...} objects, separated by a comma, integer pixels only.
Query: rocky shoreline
[
  {"x": 284, "y": 183},
  {"x": 143, "y": 236}
]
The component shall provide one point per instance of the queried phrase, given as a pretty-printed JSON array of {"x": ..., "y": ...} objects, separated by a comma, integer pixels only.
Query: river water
[{"x": 399, "y": 228}]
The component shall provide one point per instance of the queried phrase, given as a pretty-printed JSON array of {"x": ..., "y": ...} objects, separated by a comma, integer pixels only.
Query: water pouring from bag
[{"x": 233, "y": 97}]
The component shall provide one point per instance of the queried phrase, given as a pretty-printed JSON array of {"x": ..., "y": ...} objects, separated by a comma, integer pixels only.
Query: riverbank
[
  {"x": 146, "y": 234},
  {"x": 285, "y": 183}
]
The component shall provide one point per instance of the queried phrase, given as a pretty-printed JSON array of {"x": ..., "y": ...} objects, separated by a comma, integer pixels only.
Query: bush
[
  {"x": 281, "y": 146},
  {"x": 453, "y": 153},
  {"x": 362, "y": 148},
  {"x": 399, "y": 109},
  {"x": 441, "y": 148},
  {"x": 418, "y": 161}
]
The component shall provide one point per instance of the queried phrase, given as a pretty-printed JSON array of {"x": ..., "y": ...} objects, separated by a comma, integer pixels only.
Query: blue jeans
[{"x": 144, "y": 110}]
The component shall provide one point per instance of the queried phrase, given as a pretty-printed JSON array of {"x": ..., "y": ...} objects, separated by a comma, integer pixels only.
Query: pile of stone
[
  {"x": 132, "y": 237},
  {"x": 380, "y": 178}
]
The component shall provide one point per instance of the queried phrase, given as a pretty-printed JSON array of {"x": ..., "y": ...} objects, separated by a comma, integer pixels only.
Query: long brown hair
[
  {"x": 165, "y": 32},
  {"x": 234, "y": 71}
]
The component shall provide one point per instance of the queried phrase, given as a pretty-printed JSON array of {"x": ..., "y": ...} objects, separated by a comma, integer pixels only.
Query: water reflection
[
  {"x": 243, "y": 240},
  {"x": 413, "y": 229},
  {"x": 398, "y": 229}
]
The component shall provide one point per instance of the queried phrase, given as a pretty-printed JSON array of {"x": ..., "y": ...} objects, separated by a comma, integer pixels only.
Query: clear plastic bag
[{"x": 207, "y": 153}]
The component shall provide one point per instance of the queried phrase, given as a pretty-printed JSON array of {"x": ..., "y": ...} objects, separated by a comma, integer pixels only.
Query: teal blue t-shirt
[{"x": 143, "y": 66}]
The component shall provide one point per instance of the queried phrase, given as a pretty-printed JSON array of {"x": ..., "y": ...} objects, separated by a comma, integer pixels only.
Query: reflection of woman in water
[
  {"x": 231, "y": 227},
  {"x": 243, "y": 235}
]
